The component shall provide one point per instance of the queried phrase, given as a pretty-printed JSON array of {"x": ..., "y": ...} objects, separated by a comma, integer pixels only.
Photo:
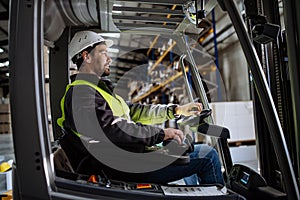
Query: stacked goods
[{"x": 5, "y": 125}]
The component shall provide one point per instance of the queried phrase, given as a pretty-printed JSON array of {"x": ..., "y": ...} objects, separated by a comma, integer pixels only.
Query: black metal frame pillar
[
  {"x": 292, "y": 24},
  {"x": 58, "y": 77},
  {"x": 28, "y": 114},
  {"x": 265, "y": 98}
]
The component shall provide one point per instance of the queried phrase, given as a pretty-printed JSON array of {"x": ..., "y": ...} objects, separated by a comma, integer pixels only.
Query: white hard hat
[{"x": 84, "y": 39}]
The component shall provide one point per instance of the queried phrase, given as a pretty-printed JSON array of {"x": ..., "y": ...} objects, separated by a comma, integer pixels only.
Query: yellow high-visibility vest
[{"x": 116, "y": 103}]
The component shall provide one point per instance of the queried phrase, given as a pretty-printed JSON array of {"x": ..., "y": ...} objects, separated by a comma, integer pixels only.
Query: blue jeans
[{"x": 204, "y": 165}]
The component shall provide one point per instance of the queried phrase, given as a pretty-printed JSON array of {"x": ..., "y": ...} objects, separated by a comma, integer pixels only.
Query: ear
[{"x": 86, "y": 57}]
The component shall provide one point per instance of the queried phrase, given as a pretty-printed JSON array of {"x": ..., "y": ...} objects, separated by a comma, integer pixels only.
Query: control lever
[
  {"x": 189, "y": 142},
  {"x": 198, "y": 124},
  {"x": 195, "y": 120},
  {"x": 187, "y": 145},
  {"x": 175, "y": 148}
]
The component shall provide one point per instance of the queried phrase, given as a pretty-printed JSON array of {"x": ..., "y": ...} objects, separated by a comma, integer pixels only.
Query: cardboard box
[
  {"x": 4, "y": 108},
  {"x": 5, "y": 128},
  {"x": 4, "y": 118}
]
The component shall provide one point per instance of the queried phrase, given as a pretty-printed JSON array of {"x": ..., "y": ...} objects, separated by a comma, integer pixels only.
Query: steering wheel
[
  {"x": 198, "y": 124},
  {"x": 195, "y": 120},
  {"x": 187, "y": 145}
]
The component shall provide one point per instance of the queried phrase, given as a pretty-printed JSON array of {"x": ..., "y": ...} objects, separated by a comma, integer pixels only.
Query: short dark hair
[{"x": 78, "y": 59}]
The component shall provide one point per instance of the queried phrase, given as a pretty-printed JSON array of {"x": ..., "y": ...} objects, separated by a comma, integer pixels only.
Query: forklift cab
[
  {"x": 38, "y": 158},
  {"x": 148, "y": 76}
]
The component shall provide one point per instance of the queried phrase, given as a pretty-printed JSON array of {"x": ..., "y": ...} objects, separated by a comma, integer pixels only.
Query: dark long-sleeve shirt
[{"x": 88, "y": 113}]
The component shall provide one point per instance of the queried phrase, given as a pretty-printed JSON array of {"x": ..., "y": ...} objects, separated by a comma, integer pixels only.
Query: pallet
[{"x": 241, "y": 143}]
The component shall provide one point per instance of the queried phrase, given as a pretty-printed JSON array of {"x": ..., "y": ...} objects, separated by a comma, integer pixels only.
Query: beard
[{"x": 106, "y": 72}]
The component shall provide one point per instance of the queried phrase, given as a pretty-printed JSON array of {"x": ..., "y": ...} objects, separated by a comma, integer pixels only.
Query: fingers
[
  {"x": 179, "y": 133},
  {"x": 194, "y": 113},
  {"x": 171, "y": 133},
  {"x": 177, "y": 138},
  {"x": 196, "y": 107},
  {"x": 193, "y": 108},
  {"x": 189, "y": 109},
  {"x": 200, "y": 106}
]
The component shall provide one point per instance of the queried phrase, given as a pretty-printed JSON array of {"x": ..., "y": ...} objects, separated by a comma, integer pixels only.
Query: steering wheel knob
[{"x": 178, "y": 149}]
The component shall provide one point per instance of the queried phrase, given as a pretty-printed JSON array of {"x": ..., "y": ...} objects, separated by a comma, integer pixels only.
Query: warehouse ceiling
[
  {"x": 129, "y": 50},
  {"x": 150, "y": 14}
]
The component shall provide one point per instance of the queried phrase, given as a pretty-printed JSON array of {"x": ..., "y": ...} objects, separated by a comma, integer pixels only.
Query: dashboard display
[{"x": 244, "y": 178}]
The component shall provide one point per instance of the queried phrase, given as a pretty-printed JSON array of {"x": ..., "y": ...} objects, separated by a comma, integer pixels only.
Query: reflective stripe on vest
[{"x": 117, "y": 103}]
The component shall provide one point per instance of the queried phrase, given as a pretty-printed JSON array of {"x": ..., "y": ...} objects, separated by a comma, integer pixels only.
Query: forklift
[{"x": 35, "y": 24}]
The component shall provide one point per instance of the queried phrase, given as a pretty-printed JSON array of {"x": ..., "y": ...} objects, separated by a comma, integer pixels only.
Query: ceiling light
[
  {"x": 116, "y": 11},
  {"x": 112, "y": 50},
  {"x": 1, "y": 50},
  {"x": 117, "y": 5},
  {"x": 4, "y": 64},
  {"x": 111, "y": 35}
]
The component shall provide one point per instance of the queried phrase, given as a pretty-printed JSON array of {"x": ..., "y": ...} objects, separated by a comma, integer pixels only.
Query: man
[{"x": 104, "y": 134}]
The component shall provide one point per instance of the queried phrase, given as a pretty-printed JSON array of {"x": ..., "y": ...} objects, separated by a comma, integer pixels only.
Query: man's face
[{"x": 100, "y": 60}]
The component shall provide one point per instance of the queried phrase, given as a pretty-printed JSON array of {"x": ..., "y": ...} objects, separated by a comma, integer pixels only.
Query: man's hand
[
  {"x": 171, "y": 133},
  {"x": 189, "y": 109}
]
